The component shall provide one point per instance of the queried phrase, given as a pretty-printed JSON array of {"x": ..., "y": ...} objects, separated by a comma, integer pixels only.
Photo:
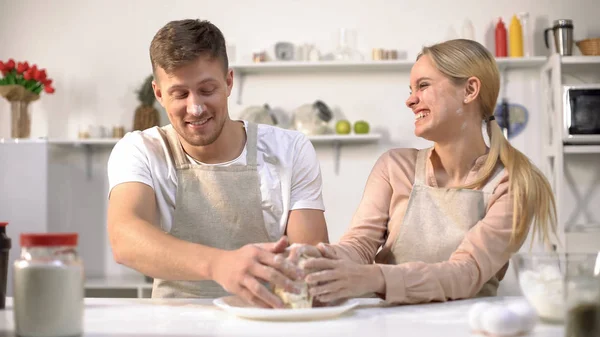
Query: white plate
[{"x": 236, "y": 306}]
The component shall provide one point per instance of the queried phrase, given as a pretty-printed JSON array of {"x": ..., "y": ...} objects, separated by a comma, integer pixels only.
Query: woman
[{"x": 440, "y": 223}]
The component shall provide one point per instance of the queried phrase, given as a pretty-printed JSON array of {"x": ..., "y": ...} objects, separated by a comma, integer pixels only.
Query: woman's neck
[{"x": 452, "y": 160}]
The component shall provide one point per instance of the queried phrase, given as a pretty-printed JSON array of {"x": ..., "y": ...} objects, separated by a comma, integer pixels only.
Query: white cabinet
[{"x": 573, "y": 170}]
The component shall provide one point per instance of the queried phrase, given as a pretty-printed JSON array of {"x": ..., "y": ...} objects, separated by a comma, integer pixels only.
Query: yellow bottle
[{"x": 515, "y": 38}]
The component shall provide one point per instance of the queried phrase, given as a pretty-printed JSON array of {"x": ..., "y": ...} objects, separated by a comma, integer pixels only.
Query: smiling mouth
[
  {"x": 421, "y": 115},
  {"x": 199, "y": 122}
]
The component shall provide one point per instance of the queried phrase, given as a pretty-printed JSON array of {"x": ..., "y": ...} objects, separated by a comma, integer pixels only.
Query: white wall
[{"x": 97, "y": 53}]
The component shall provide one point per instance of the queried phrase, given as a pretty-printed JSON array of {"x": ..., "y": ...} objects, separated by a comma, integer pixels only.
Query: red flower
[
  {"x": 10, "y": 65},
  {"x": 49, "y": 89},
  {"x": 2, "y": 66},
  {"x": 27, "y": 75},
  {"x": 33, "y": 71},
  {"x": 47, "y": 82},
  {"x": 22, "y": 67},
  {"x": 40, "y": 75}
]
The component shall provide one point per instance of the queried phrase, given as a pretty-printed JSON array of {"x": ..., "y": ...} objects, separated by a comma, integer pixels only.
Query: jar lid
[
  {"x": 48, "y": 239},
  {"x": 3, "y": 224}
]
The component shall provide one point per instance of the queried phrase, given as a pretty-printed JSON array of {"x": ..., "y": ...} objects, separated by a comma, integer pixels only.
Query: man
[{"x": 205, "y": 204}]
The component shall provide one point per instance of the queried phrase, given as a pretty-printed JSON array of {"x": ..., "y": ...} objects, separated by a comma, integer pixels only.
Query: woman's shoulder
[
  {"x": 399, "y": 157},
  {"x": 398, "y": 163}
]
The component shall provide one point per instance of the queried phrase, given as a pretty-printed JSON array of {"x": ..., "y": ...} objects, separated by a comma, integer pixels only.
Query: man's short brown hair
[{"x": 181, "y": 42}]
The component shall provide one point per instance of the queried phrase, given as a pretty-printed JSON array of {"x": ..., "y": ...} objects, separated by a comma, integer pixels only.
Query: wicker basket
[{"x": 589, "y": 46}]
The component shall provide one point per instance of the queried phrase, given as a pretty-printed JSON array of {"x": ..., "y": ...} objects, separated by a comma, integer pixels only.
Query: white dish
[{"x": 236, "y": 306}]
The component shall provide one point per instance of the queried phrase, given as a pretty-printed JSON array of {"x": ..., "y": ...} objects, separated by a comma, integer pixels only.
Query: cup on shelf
[{"x": 118, "y": 131}]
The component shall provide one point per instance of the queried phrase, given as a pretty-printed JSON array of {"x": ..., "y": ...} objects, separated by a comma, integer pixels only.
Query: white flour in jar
[
  {"x": 48, "y": 300},
  {"x": 543, "y": 288}
]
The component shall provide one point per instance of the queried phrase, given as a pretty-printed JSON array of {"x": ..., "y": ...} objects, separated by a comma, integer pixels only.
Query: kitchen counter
[{"x": 199, "y": 317}]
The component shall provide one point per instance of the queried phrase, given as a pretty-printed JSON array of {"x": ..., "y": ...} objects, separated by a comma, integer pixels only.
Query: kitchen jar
[
  {"x": 582, "y": 285},
  {"x": 48, "y": 286}
]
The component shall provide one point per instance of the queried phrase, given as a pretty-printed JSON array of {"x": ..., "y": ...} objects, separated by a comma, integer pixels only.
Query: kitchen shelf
[
  {"x": 346, "y": 139},
  {"x": 84, "y": 141},
  {"x": 580, "y": 59},
  {"x": 90, "y": 143},
  {"x": 345, "y": 66},
  {"x": 129, "y": 286},
  {"x": 241, "y": 70},
  {"x": 329, "y": 138},
  {"x": 337, "y": 141},
  {"x": 582, "y": 149}
]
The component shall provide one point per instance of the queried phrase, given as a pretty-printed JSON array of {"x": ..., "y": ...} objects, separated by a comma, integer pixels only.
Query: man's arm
[
  {"x": 307, "y": 226},
  {"x": 306, "y": 220},
  {"x": 138, "y": 243}
]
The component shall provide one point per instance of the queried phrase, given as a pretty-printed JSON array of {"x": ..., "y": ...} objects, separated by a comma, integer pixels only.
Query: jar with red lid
[{"x": 48, "y": 288}]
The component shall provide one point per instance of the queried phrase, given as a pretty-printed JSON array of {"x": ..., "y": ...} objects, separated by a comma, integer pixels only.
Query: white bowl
[{"x": 543, "y": 276}]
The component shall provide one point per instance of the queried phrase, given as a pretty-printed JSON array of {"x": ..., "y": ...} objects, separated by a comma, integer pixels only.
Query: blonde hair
[{"x": 533, "y": 197}]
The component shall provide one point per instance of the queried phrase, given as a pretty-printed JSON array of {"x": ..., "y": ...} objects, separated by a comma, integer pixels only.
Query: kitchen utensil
[
  {"x": 284, "y": 51},
  {"x": 313, "y": 119},
  {"x": 562, "y": 30}
]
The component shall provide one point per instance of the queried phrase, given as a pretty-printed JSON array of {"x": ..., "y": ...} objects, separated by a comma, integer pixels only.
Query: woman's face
[{"x": 437, "y": 103}]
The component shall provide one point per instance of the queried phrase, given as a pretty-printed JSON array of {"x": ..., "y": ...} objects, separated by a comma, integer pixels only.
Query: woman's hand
[{"x": 334, "y": 279}]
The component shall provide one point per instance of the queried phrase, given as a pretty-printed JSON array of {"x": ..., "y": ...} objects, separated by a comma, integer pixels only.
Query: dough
[{"x": 296, "y": 301}]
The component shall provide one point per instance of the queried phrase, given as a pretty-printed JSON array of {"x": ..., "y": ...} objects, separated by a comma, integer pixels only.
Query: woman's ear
[{"x": 472, "y": 88}]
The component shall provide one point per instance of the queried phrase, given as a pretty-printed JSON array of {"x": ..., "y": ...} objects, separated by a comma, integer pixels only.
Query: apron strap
[
  {"x": 170, "y": 137},
  {"x": 169, "y": 134},
  {"x": 251, "y": 144},
  {"x": 421, "y": 167}
]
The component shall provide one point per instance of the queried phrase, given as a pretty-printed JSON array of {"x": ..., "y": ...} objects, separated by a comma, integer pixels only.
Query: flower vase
[{"x": 20, "y": 119}]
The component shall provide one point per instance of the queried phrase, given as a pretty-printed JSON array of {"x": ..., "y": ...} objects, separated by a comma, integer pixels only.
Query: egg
[
  {"x": 475, "y": 315},
  {"x": 500, "y": 321},
  {"x": 526, "y": 313}
]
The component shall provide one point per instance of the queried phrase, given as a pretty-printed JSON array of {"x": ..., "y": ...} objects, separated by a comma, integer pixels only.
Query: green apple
[
  {"x": 361, "y": 127},
  {"x": 343, "y": 127}
]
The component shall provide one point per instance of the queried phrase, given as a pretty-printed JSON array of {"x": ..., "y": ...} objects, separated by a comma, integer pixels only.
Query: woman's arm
[
  {"x": 483, "y": 252},
  {"x": 369, "y": 223}
]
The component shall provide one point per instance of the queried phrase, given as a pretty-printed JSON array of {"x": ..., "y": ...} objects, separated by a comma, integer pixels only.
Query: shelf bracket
[
  {"x": 88, "y": 160},
  {"x": 337, "y": 149}
]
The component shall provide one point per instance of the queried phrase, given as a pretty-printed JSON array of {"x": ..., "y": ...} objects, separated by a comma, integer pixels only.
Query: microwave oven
[{"x": 581, "y": 114}]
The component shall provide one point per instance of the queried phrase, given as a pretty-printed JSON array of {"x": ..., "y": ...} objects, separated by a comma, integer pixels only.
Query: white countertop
[{"x": 199, "y": 317}]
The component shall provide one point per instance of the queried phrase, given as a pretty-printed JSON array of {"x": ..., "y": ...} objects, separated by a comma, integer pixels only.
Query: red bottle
[{"x": 501, "y": 43}]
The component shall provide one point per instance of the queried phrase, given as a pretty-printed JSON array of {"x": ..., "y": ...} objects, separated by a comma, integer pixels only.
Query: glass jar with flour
[{"x": 48, "y": 286}]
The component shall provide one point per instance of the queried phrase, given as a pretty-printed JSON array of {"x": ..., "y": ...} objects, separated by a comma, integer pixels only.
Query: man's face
[{"x": 195, "y": 98}]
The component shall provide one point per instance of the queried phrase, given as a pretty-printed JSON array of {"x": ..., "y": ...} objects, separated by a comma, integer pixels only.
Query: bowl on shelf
[
  {"x": 589, "y": 47},
  {"x": 554, "y": 282}
]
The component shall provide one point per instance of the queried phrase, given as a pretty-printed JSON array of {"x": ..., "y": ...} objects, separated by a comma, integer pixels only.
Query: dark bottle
[{"x": 4, "y": 249}]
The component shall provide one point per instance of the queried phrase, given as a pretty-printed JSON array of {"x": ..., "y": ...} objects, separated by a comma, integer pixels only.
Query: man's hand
[{"x": 241, "y": 272}]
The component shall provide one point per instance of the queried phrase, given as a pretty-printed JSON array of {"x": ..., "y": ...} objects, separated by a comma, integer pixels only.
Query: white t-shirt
[{"x": 290, "y": 176}]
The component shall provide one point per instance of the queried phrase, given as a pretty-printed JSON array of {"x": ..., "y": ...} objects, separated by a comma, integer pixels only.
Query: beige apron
[
  {"x": 216, "y": 206},
  {"x": 437, "y": 220}
]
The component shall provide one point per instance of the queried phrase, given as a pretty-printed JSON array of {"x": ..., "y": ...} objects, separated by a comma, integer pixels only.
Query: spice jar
[
  {"x": 48, "y": 286},
  {"x": 582, "y": 295}
]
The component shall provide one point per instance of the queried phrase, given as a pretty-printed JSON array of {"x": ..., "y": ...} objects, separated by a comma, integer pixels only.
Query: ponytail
[{"x": 533, "y": 199}]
